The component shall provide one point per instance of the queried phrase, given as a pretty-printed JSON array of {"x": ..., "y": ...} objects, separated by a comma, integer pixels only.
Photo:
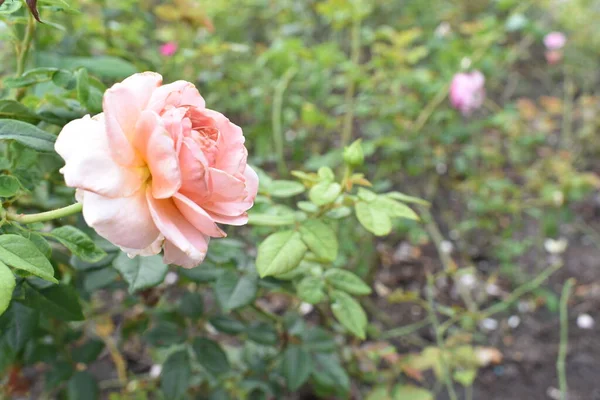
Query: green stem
[
  {"x": 351, "y": 89},
  {"x": 45, "y": 216},
  {"x": 404, "y": 330},
  {"x": 276, "y": 118},
  {"x": 520, "y": 291},
  {"x": 567, "y": 122},
  {"x": 438, "y": 337},
  {"x": 26, "y": 45},
  {"x": 564, "y": 339}
]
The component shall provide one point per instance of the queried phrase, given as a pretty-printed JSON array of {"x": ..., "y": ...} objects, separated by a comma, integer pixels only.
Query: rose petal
[
  {"x": 157, "y": 148},
  {"x": 176, "y": 94},
  {"x": 197, "y": 216},
  {"x": 176, "y": 229},
  {"x": 151, "y": 250},
  {"x": 193, "y": 172},
  {"x": 124, "y": 221},
  {"x": 224, "y": 187},
  {"x": 173, "y": 255},
  {"x": 83, "y": 145}
]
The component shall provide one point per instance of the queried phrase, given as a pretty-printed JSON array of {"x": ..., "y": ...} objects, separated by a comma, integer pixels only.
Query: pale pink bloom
[
  {"x": 157, "y": 170},
  {"x": 553, "y": 56},
  {"x": 467, "y": 91},
  {"x": 168, "y": 49},
  {"x": 555, "y": 40}
]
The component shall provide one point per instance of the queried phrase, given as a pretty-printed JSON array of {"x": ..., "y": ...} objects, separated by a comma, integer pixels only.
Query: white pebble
[
  {"x": 493, "y": 289},
  {"x": 468, "y": 280},
  {"x": 306, "y": 308},
  {"x": 555, "y": 246},
  {"x": 514, "y": 321},
  {"x": 585, "y": 321},
  {"x": 155, "y": 370},
  {"x": 446, "y": 247},
  {"x": 489, "y": 324},
  {"x": 171, "y": 278}
]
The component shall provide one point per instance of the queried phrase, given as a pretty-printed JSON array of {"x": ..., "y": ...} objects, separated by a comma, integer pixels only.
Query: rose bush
[{"x": 158, "y": 170}]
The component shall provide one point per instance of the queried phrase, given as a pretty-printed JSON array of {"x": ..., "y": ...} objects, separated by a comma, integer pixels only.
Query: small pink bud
[
  {"x": 168, "y": 49},
  {"x": 555, "y": 40},
  {"x": 467, "y": 91},
  {"x": 553, "y": 56}
]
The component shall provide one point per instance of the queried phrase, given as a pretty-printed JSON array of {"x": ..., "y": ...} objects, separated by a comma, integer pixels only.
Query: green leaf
[
  {"x": 326, "y": 174},
  {"x": 165, "y": 334},
  {"x": 211, "y": 356},
  {"x": 349, "y": 313},
  {"x": 41, "y": 243},
  {"x": 100, "y": 278},
  {"x": 324, "y": 192},
  {"x": 374, "y": 219},
  {"x": 410, "y": 392},
  {"x": 234, "y": 292},
  {"x": 310, "y": 290},
  {"x": 318, "y": 339},
  {"x": 7, "y": 285},
  {"x": 226, "y": 324},
  {"x": 296, "y": 366},
  {"x": 10, "y": 109},
  {"x": 18, "y": 325},
  {"x": 141, "y": 272},
  {"x": 262, "y": 333},
  {"x": 407, "y": 199},
  {"x": 82, "y": 86},
  {"x": 88, "y": 352},
  {"x": 9, "y": 185},
  {"x": 57, "y": 301},
  {"x": 394, "y": 208},
  {"x": 191, "y": 305},
  {"x": 347, "y": 281},
  {"x": 79, "y": 243},
  {"x": 20, "y": 253},
  {"x": 270, "y": 220},
  {"x": 283, "y": 188},
  {"x": 10, "y": 6},
  {"x": 82, "y": 386},
  {"x": 102, "y": 66},
  {"x": 26, "y": 134},
  {"x": 31, "y": 77},
  {"x": 320, "y": 238},
  {"x": 328, "y": 371},
  {"x": 175, "y": 378},
  {"x": 366, "y": 195},
  {"x": 281, "y": 252},
  {"x": 465, "y": 377}
]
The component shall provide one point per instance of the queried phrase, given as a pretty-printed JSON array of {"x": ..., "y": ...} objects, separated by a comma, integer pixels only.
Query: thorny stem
[
  {"x": 438, "y": 337},
  {"x": 276, "y": 122},
  {"x": 351, "y": 89},
  {"x": 45, "y": 216},
  {"x": 564, "y": 339}
]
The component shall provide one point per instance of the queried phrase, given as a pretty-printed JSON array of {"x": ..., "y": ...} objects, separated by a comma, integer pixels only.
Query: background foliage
[{"x": 346, "y": 284}]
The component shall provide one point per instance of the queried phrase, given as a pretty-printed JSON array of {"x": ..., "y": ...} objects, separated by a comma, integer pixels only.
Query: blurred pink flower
[
  {"x": 467, "y": 91},
  {"x": 555, "y": 40},
  {"x": 168, "y": 49}
]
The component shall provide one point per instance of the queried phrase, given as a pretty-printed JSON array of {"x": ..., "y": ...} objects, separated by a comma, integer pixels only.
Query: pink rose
[
  {"x": 467, "y": 91},
  {"x": 168, "y": 49},
  {"x": 157, "y": 170},
  {"x": 555, "y": 40}
]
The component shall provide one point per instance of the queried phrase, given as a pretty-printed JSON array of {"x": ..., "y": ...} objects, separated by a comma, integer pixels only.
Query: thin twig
[
  {"x": 438, "y": 337},
  {"x": 564, "y": 339},
  {"x": 520, "y": 291},
  {"x": 276, "y": 117},
  {"x": 404, "y": 330},
  {"x": 351, "y": 89}
]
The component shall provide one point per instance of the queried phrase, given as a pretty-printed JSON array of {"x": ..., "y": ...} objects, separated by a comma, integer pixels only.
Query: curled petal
[
  {"x": 197, "y": 216},
  {"x": 124, "y": 221},
  {"x": 83, "y": 145},
  {"x": 176, "y": 229},
  {"x": 176, "y": 94},
  {"x": 225, "y": 187},
  {"x": 174, "y": 255},
  {"x": 157, "y": 148}
]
